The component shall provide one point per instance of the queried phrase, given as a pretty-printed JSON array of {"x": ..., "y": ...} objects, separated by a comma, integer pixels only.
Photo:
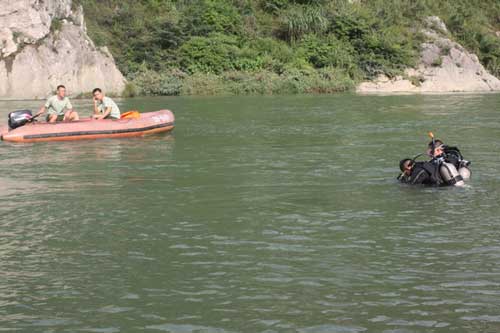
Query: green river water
[{"x": 257, "y": 214}]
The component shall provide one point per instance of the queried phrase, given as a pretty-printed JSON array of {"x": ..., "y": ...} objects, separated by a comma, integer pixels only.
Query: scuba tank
[
  {"x": 19, "y": 118},
  {"x": 450, "y": 174},
  {"x": 454, "y": 156},
  {"x": 465, "y": 172}
]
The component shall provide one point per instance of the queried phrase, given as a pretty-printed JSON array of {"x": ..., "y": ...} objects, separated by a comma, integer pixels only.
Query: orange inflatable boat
[{"x": 147, "y": 123}]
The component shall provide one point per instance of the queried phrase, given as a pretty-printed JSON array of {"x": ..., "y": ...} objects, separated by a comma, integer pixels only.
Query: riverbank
[
  {"x": 284, "y": 47},
  {"x": 259, "y": 47},
  {"x": 296, "y": 81},
  {"x": 443, "y": 65},
  {"x": 35, "y": 104}
]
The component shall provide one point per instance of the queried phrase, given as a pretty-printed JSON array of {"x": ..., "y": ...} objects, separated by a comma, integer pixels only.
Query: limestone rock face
[
  {"x": 43, "y": 43},
  {"x": 445, "y": 66}
]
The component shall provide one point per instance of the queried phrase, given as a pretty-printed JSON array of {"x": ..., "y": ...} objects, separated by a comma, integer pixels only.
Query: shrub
[
  {"x": 444, "y": 49},
  {"x": 213, "y": 54},
  {"x": 204, "y": 17},
  {"x": 130, "y": 90},
  {"x": 327, "y": 52},
  {"x": 381, "y": 49},
  {"x": 386, "y": 52},
  {"x": 416, "y": 80},
  {"x": 273, "y": 54},
  {"x": 273, "y": 6},
  {"x": 55, "y": 25},
  {"x": 437, "y": 62},
  {"x": 299, "y": 20},
  {"x": 277, "y": 49},
  {"x": 330, "y": 80},
  {"x": 153, "y": 83},
  {"x": 218, "y": 53},
  {"x": 250, "y": 83},
  {"x": 203, "y": 84},
  {"x": 489, "y": 47}
]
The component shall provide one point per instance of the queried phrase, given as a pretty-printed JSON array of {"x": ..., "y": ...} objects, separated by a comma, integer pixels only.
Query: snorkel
[{"x": 431, "y": 135}]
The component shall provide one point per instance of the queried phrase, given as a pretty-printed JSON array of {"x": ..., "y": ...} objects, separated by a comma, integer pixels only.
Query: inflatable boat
[{"x": 146, "y": 123}]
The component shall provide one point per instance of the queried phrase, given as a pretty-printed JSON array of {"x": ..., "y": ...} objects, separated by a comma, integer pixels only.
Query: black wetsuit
[
  {"x": 424, "y": 173},
  {"x": 453, "y": 155}
]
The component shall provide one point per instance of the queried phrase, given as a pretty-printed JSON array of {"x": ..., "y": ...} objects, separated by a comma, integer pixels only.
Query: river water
[{"x": 257, "y": 214}]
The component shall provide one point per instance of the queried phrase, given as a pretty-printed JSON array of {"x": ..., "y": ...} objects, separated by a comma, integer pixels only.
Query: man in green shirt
[
  {"x": 59, "y": 107},
  {"x": 104, "y": 107}
]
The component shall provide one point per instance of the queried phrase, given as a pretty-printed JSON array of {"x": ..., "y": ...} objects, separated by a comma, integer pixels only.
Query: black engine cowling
[{"x": 19, "y": 118}]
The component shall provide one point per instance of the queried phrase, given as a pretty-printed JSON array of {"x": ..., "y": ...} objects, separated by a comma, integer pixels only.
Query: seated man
[
  {"x": 56, "y": 105},
  {"x": 104, "y": 107},
  {"x": 416, "y": 173}
]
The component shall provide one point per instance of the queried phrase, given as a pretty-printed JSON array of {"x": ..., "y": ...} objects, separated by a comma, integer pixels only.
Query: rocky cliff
[
  {"x": 44, "y": 43},
  {"x": 444, "y": 66}
]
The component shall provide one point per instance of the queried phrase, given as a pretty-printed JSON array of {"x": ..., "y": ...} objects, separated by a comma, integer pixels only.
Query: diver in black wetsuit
[{"x": 419, "y": 173}]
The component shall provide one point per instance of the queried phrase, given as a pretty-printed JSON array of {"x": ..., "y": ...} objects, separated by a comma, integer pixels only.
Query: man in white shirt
[
  {"x": 59, "y": 107},
  {"x": 104, "y": 107}
]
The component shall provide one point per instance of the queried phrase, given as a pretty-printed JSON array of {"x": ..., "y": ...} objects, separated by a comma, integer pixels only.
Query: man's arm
[
  {"x": 107, "y": 112},
  {"x": 96, "y": 109},
  {"x": 104, "y": 115},
  {"x": 69, "y": 106},
  {"x": 44, "y": 107},
  {"x": 41, "y": 111}
]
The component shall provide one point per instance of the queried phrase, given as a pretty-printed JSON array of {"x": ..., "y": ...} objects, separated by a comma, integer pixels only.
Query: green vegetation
[
  {"x": 174, "y": 47},
  {"x": 56, "y": 25},
  {"x": 437, "y": 62},
  {"x": 416, "y": 80}
]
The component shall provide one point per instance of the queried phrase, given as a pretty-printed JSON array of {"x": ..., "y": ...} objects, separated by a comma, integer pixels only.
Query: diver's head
[
  {"x": 438, "y": 151},
  {"x": 436, "y": 142},
  {"x": 406, "y": 165},
  {"x": 433, "y": 146}
]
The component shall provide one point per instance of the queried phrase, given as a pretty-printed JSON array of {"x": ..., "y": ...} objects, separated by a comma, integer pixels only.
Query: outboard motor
[
  {"x": 19, "y": 118},
  {"x": 450, "y": 175}
]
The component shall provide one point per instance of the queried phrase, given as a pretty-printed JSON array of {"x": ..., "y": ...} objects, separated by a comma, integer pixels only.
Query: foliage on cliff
[{"x": 168, "y": 47}]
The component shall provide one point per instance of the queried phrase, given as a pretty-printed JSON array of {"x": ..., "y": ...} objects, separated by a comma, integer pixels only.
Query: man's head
[
  {"x": 438, "y": 151},
  {"x": 406, "y": 165},
  {"x": 97, "y": 93},
  {"x": 61, "y": 91},
  {"x": 435, "y": 148},
  {"x": 436, "y": 143}
]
